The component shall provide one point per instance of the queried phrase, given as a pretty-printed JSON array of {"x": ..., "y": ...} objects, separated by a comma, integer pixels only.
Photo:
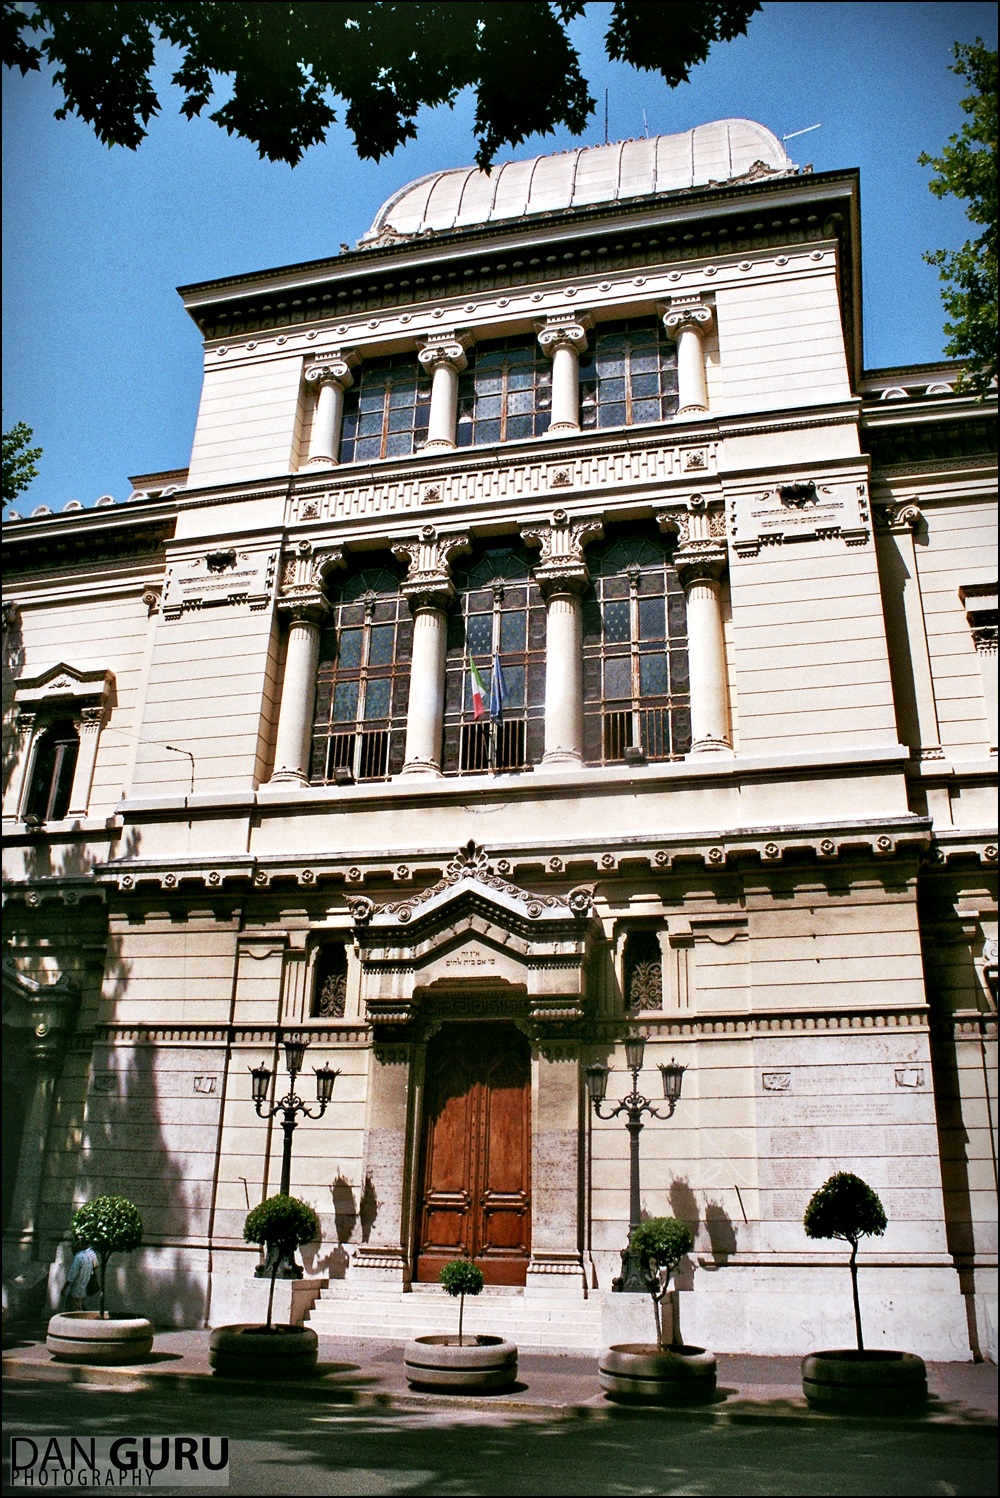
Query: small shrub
[
  {"x": 109, "y": 1225},
  {"x": 846, "y": 1207},
  {"x": 660, "y": 1244},
  {"x": 281, "y": 1224},
  {"x": 461, "y": 1277}
]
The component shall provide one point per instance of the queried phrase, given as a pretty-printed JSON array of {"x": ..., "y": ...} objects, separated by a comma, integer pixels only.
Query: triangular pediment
[{"x": 63, "y": 682}]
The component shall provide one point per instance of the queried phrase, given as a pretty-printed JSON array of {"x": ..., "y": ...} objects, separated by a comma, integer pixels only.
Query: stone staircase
[{"x": 557, "y": 1323}]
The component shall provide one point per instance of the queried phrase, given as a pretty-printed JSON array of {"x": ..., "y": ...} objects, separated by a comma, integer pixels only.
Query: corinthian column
[
  {"x": 562, "y": 576},
  {"x": 332, "y": 377},
  {"x": 443, "y": 354},
  {"x": 429, "y": 590},
  {"x": 687, "y": 320},
  {"x": 700, "y": 561},
  {"x": 564, "y": 340}
]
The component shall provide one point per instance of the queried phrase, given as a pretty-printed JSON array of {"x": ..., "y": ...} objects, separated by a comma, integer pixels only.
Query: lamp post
[
  {"x": 634, "y": 1106},
  {"x": 290, "y": 1106}
]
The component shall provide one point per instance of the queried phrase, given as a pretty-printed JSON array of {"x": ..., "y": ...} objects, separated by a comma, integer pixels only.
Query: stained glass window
[
  {"x": 635, "y": 661},
  {"x": 386, "y": 411},
  {"x": 628, "y": 375},
  {"x": 505, "y": 393},
  {"x": 363, "y": 680}
]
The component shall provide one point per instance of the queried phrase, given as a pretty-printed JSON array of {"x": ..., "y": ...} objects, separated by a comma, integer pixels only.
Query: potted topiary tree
[
  {"x": 664, "y": 1371},
  {"x": 109, "y": 1225},
  {"x": 460, "y": 1363},
  {"x": 276, "y": 1350},
  {"x": 850, "y": 1378}
]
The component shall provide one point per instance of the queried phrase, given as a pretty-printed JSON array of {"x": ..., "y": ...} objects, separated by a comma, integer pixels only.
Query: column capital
[
  {"x": 702, "y": 561},
  {"x": 334, "y": 369},
  {"x": 448, "y": 348},
  {"x": 906, "y": 516},
  {"x": 564, "y": 330},
  {"x": 304, "y": 607},
  {"x": 688, "y": 312},
  {"x": 90, "y": 718},
  {"x": 428, "y": 582},
  {"x": 562, "y": 566}
]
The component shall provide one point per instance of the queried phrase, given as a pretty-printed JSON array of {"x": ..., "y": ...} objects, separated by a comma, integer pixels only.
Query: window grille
[
  {"x": 51, "y": 784},
  {"x": 505, "y": 393},
  {"x": 499, "y": 611},
  {"x": 330, "y": 985},
  {"x": 643, "y": 971},
  {"x": 362, "y": 683},
  {"x": 386, "y": 411},
  {"x": 628, "y": 375},
  {"x": 635, "y": 662}
]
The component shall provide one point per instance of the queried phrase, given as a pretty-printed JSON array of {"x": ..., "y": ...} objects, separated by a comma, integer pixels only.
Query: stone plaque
[
  {"x": 799, "y": 510},
  {"x": 219, "y": 579}
]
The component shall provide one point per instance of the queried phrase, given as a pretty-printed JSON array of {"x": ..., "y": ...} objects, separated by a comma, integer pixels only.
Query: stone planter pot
[
  {"x": 642, "y": 1373},
  {"x": 441, "y": 1363},
  {"x": 869, "y": 1383},
  {"x": 282, "y": 1352},
  {"x": 84, "y": 1337}
]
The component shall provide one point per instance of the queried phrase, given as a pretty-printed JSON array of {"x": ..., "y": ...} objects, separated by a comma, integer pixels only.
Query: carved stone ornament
[
  {"x": 213, "y": 581},
  {"x": 334, "y": 369},
  {"x": 306, "y": 570},
  {"x": 445, "y": 348},
  {"x": 428, "y": 582},
  {"x": 686, "y": 313},
  {"x": 44, "y": 1011},
  {"x": 564, "y": 332},
  {"x": 562, "y": 566}
]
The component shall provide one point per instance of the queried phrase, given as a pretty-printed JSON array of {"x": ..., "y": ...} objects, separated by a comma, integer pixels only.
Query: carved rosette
[
  {"x": 562, "y": 567},
  {"x": 428, "y": 582}
]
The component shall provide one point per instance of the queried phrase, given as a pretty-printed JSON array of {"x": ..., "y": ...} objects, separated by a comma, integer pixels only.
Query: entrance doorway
[{"x": 475, "y": 1179}]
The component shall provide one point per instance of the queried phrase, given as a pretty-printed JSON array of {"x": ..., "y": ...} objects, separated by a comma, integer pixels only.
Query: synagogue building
[{"x": 558, "y": 636}]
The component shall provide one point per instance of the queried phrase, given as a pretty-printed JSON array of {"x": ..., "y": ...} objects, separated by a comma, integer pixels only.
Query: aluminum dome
[{"x": 724, "y": 151}]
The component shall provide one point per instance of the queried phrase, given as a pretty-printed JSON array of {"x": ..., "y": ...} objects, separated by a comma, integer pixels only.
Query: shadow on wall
[
  {"x": 13, "y": 663},
  {"x": 717, "y": 1228},
  {"x": 349, "y": 1216}
]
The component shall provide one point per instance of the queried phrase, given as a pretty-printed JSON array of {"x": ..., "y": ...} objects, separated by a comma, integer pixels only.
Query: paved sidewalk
[{"x": 370, "y": 1375}]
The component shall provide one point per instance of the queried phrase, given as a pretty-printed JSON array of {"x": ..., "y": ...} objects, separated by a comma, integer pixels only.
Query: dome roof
[{"x": 722, "y": 152}]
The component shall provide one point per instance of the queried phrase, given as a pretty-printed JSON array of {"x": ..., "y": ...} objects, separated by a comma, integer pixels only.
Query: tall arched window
[
  {"x": 56, "y": 752},
  {"x": 628, "y": 375},
  {"x": 505, "y": 393},
  {"x": 363, "y": 680},
  {"x": 499, "y": 614},
  {"x": 635, "y": 662},
  {"x": 386, "y": 411}
]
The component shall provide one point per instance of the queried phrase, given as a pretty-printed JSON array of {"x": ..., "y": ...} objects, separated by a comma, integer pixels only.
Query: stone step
[{"x": 396, "y": 1316}]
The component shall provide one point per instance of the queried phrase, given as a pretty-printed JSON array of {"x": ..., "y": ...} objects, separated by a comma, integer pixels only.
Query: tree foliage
[
  {"x": 967, "y": 169},
  {"x": 461, "y": 1277},
  {"x": 660, "y": 1244},
  {"x": 281, "y": 1224},
  {"x": 280, "y": 65},
  {"x": 109, "y": 1225},
  {"x": 846, "y": 1207},
  {"x": 19, "y": 461}
]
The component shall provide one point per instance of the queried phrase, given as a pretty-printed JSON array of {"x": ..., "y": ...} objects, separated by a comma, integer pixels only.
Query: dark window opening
[
  {"x": 330, "y": 986},
  {"x": 643, "y": 971},
  {"x": 52, "y": 773}
]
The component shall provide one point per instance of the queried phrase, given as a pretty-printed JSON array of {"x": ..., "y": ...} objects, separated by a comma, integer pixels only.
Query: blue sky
[{"x": 102, "y": 361}]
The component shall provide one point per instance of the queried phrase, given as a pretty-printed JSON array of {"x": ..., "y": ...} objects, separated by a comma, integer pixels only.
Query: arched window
[
  {"x": 386, "y": 411},
  {"x": 635, "y": 663},
  {"x": 499, "y": 614},
  {"x": 628, "y": 375},
  {"x": 56, "y": 752},
  {"x": 505, "y": 393},
  {"x": 363, "y": 680}
]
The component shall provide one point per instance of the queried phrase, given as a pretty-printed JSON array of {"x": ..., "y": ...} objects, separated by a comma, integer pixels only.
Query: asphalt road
[{"x": 290, "y": 1445}]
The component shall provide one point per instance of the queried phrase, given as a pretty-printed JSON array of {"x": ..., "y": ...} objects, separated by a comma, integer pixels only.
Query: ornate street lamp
[
  {"x": 634, "y": 1106},
  {"x": 290, "y": 1106}
]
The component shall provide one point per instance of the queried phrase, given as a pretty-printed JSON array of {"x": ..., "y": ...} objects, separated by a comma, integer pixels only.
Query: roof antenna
[
  {"x": 792, "y": 134},
  {"x": 605, "y": 116}
]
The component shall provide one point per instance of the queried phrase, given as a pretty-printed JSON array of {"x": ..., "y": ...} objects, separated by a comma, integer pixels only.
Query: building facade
[{"x": 557, "y": 634}]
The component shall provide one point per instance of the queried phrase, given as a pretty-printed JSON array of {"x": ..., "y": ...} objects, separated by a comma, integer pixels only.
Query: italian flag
[{"x": 478, "y": 692}]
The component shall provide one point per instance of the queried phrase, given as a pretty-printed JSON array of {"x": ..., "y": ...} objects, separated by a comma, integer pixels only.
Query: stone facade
[{"x": 739, "y": 789}]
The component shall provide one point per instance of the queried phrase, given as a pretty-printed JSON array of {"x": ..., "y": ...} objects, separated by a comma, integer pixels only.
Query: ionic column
[
  {"x": 429, "y": 590},
  {"x": 298, "y": 690},
  {"x": 562, "y": 576},
  {"x": 89, "y": 730},
  {"x": 24, "y": 724},
  {"x": 700, "y": 561},
  {"x": 564, "y": 340},
  {"x": 687, "y": 320},
  {"x": 445, "y": 357},
  {"x": 333, "y": 377}
]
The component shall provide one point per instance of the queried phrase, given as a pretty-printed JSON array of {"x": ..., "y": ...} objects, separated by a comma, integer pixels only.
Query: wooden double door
[{"x": 475, "y": 1178}]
